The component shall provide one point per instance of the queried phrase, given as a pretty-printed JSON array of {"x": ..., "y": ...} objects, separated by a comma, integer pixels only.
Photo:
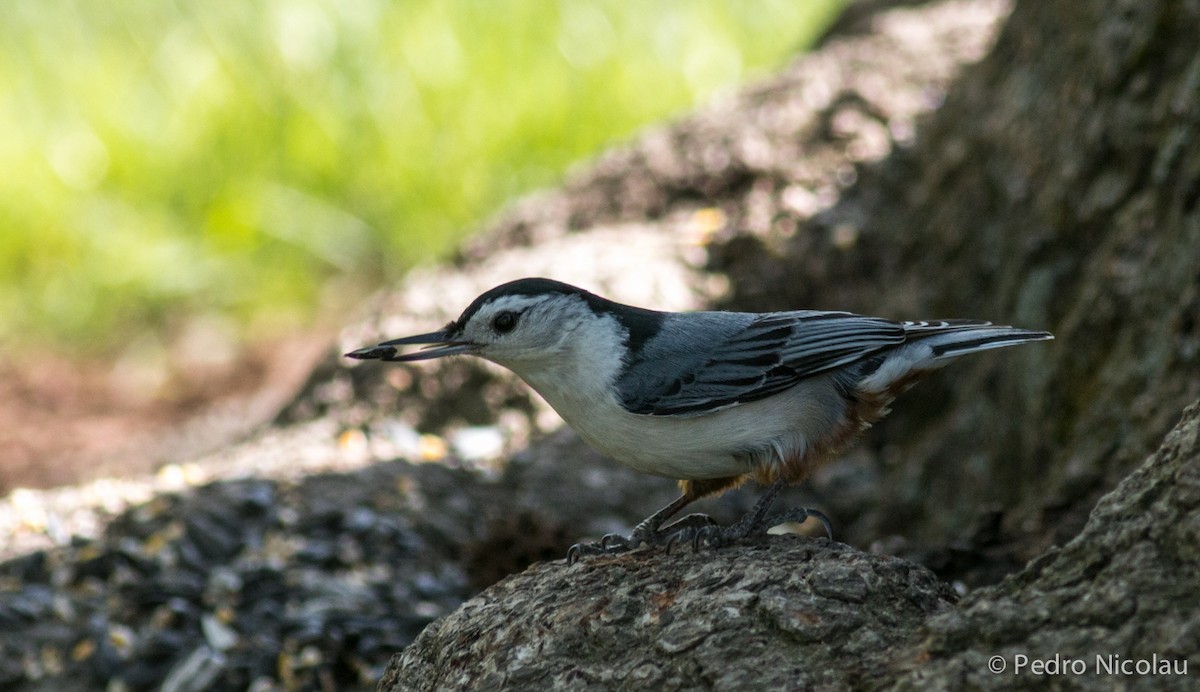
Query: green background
[{"x": 256, "y": 164}]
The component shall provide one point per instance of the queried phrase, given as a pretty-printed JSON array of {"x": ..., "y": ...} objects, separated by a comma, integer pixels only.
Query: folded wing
[{"x": 761, "y": 356}]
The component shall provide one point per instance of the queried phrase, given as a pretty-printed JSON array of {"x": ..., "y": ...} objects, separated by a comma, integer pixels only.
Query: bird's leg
[
  {"x": 648, "y": 532},
  {"x": 753, "y": 523}
]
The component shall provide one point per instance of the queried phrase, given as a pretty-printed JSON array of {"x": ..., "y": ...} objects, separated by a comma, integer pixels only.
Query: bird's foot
[
  {"x": 643, "y": 534},
  {"x": 752, "y": 524},
  {"x": 609, "y": 544}
]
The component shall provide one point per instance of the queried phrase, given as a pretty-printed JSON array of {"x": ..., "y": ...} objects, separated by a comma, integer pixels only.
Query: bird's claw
[
  {"x": 697, "y": 536},
  {"x": 685, "y": 535},
  {"x": 715, "y": 536},
  {"x": 615, "y": 542},
  {"x": 643, "y": 534},
  {"x": 609, "y": 544},
  {"x": 579, "y": 550},
  {"x": 698, "y": 529}
]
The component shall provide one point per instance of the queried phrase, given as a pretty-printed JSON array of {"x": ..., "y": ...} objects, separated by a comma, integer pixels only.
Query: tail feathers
[
  {"x": 961, "y": 340},
  {"x": 931, "y": 345}
]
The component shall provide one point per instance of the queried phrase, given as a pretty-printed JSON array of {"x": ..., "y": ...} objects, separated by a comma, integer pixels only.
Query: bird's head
[{"x": 522, "y": 325}]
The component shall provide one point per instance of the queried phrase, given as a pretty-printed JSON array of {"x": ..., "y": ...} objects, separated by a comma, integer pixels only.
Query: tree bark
[
  {"x": 795, "y": 613},
  {"x": 1056, "y": 188}
]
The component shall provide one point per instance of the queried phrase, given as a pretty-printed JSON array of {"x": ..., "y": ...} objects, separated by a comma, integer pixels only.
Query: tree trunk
[{"x": 1056, "y": 188}]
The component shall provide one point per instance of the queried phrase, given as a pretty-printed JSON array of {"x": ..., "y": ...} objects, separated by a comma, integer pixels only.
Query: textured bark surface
[
  {"x": 781, "y": 613},
  {"x": 793, "y": 613},
  {"x": 1124, "y": 590},
  {"x": 1057, "y": 188}
]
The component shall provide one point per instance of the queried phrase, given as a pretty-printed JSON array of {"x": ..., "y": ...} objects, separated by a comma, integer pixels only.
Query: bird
[{"x": 710, "y": 399}]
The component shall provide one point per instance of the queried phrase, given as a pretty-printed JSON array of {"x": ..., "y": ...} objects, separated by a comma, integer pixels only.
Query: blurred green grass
[{"x": 254, "y": 163}]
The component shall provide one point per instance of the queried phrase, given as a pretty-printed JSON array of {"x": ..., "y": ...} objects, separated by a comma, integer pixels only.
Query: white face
[{"x": 529, "y": 331}]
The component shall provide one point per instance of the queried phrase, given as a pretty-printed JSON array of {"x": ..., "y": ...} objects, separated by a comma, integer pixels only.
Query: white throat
[{"x": 578, "y": 377}]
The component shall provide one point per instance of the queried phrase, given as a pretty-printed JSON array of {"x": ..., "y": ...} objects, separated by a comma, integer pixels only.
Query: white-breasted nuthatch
[{"x": 707, "y": 398}]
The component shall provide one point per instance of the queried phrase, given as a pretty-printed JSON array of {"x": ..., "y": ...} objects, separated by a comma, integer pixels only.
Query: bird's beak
[{"x": 439, "y": 344}]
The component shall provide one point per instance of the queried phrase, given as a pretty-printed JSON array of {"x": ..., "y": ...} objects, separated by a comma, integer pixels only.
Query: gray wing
[{"x": 703, "y": 362}]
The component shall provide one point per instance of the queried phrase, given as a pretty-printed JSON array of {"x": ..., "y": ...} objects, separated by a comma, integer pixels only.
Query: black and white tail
[{"x": 931, "y": 345}]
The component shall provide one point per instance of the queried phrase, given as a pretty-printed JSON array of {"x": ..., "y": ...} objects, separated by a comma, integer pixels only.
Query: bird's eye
[{"x": 504, "y": 322}]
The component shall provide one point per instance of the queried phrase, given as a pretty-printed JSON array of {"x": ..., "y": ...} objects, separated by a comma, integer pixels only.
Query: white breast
[{"x": 730, "y": 442}]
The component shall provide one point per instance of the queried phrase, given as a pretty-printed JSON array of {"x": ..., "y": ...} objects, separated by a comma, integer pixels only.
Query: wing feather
[{"x": 686, "y": 372}]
